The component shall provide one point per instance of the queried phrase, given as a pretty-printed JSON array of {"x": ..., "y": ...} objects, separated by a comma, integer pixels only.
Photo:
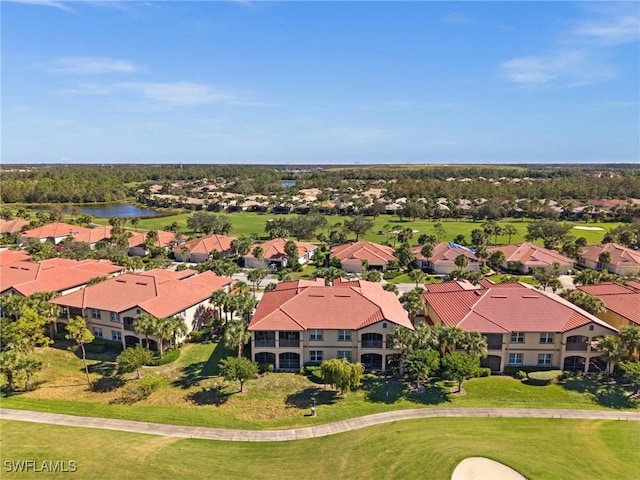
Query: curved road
[{"x": 207, "y": 433}]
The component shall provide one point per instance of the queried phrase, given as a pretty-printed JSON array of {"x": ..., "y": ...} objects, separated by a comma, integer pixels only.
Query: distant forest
[{"x": 100, "y": 183}]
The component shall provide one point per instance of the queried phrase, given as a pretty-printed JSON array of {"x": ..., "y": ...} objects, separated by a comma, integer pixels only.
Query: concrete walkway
[{"x": 207, "y": 433}]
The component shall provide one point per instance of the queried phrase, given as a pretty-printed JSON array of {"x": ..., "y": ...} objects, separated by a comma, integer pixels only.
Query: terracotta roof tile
[
  {"x": 618, "y": 299},
  {"x": 373, "y": 253},
  {"x": 445, "y": 254},
  {"x": 12, "y": 256},
  {"x": 532, "y": 255},
  {"x": 14, "y": 225},
  {"x": 620, "y": 256},
  {"x": 274, "y": 249},
  {"x": 206, "y": 245},
  {"x": 165, "y": 239}
]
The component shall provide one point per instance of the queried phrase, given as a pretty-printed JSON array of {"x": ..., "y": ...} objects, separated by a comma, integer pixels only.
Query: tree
[
  {"x": 163, "y": 330},
  {"x": 403, "y": 339},
  {"x": 412, "y": 302},
  {"x": 631, "y": 371},
  {"x": 341, "y": 374},
  {"x": 256, "y": 276},
  {"x": 291, "y": 251},
  {"x": 145, "y": 324},
  {"x": 509, "y": 230},
  {"x": 421, "y": 364},
  {"x": 497, "y": 259},
  {"x": 460, "y": 366},
  {"x": 461, "y": 261},
  {"x": 372, "y": 276},
  {"x": 238, "y": 368},
  {"x": 611, "y": 350},
  {"x": 417, "y": 276},
  {"x": 478, "y": 237},
  {"x": 474, "y": 344},
  {"x": 358, "y": 225},
  {"x": 132, "y": 360},
  {"x": 439, "y": 230},
  {"x": 390, "y": 287},
  {"x": 604, "y": 259},
  {"x": 78, "y": 332},
  {"x": 218, "y": 300},
  {"x": 630, "y": 338},
  {"x": 587, "y": 302},
  {"x": 329, "y": 274},
  {"x": 258, "y": 252},
  {"x": 405, "y": 254},
  {"x": 426, "y": 251},
  {"x": 240, "y": 246},
  {"x": 134, "y": 222},
  {"x": 178, "y": 329},
  {"x": 236, "y": 335},
  {"x": 17, "y": 365}
]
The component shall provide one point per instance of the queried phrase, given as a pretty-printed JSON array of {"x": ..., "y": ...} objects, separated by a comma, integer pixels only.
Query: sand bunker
[
  {"x": 589, "y": 228},
  {"x": 480, "y": 468}
]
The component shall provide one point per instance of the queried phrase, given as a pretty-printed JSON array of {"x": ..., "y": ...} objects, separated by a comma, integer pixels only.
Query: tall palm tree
[
  {"x": 449, "y": 338},
  {"x": 474, "y": 344},
  {"x": 178, "y": 329},
  {"x": 145, "y": 324},
  {"x": 404, "y": 340},
  {"x": 427, "y": 251},
  {"x": 236, "y": 335},
  {"x": 417, "y": 276},
  {"x": 163, "y": 331},
  {"x": 630, "y": 338},
  {"x": 611, "y": 350},
  {"x": 218, "y": 299}
]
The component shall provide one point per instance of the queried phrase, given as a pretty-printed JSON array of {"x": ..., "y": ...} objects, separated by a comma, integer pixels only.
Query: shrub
[
  {"x": 101, "y": 345},
  {"x": 170, "y": 356},
  {"x": 544, "y": 378},
  {"x": 265, "y": 367},
  {"x": 512, "y": 370},
  {"x": 138, "y": 390},
  {"x": 309, "y": 367},
  {"x": 521, "y": 374},
  {"x": 484, "y": 372},
  {"x": 199, "y": 336}
]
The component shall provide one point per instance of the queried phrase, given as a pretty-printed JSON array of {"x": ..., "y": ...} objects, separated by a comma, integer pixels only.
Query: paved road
[{"x": 207, "y": 433}]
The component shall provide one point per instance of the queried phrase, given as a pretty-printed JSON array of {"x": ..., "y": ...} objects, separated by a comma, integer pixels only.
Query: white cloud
[
  {"x": 567, "y": 69},
  {"x": 91, "y": 65},
  {"x": 44, "y": 3},
  {"x": 611, "y": 31}
]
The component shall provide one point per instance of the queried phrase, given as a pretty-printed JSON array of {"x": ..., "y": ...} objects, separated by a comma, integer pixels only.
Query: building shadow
[{"x": 304, "y": 398}]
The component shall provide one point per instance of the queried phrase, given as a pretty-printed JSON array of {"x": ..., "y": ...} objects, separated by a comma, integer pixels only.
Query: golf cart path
[{"x": 208, "y": 433}]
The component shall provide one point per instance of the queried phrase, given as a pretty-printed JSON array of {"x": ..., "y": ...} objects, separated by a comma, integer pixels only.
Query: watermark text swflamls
[{"x": 40, "y": 466}]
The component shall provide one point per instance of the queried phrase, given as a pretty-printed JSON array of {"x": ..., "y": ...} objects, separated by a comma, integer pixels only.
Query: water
[
  {"x": 116, "y": 210},
  {"x": 288, "y": 183}
]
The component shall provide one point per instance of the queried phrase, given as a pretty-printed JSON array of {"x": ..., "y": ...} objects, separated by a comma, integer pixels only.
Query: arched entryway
[
  {"x": 574, "y": 363},
  {"x": 289, "y": 361},
  {"x": 494, "y": 362},
  {"x": 371, "y": 340},
  {"x": 371, "y": 361},
  {"x": 266, "y": 358},
  {"x": 131, "y": 341}
]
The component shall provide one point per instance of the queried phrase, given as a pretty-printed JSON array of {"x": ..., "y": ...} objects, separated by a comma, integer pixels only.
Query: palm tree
[
  {"x": 236, "y": 335},
  {"x": 474, "y": 344},
  {"x": 412, "y": 303},
  {"x": 218, "y": 300},
  {"x": 604, "y": 259},
  {"x": 630, "y": 338},
  {"x": 404, "y": 340},
  {"x": 163, "y": 331},
  {"x": 449, "y": 338},
  {"x": 178, "y": 329},
  {"x": 461, "y": 261},
  {"x": 427, "y": 251},
  {"x": 509, "y": 230},
  {"x": 417, "y": 276},
  {"x": 145, "y": 324},
  {"x": 612, "y": 350}
]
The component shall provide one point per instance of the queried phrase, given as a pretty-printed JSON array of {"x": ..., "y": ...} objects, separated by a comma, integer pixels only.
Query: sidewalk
[{"x": 208, "y": 433}]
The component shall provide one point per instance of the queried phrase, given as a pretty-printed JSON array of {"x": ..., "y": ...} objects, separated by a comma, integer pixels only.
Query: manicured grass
[
  {"x": 250, "y": 223},
  {"x": 429, "y": 448},
  {"x": 521, "y": 278},
  {"x": 193, "y": 395}
]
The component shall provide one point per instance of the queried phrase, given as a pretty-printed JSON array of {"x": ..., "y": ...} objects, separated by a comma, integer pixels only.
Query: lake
[
  {"x": 117, "y": 210},
  {"x": 288, "y": 183}
]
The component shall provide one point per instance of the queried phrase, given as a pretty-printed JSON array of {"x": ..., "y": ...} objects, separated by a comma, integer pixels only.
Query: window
[
  {"x": 315, "y": 355},
  {"x": 114, "y": 317},
  {"x": 345, "y": 354},
  {"x": 97, "y": 332},
  {"x": 116, "y": 335},
  {"x": 384, "y": 324},
  {"x": 544, "y": 358},
  {"x": 182, "y": 314},
  {"x": 546, "y": 337},
  {"x": 517, "y": 337},
  {"x": 95, "y": 313},
  {"x": 515, "y": 358},
  {"x": 138, "y": 311},
  {"x": 344, "y": 335},
  {"x": 315, "y": 335},
  {"x": 590, "y": 327}
]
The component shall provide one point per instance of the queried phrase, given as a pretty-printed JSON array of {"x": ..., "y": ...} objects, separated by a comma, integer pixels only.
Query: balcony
[
  {"x": 288, "y": 343},
  {"x": 266, "y": 343},
  {"x": 371, "y": 344},
  {"x": 577, "y": 343},
  {"x": 576, "y": 347}
]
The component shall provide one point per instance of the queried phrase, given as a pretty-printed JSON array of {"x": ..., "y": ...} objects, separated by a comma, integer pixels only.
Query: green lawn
[
  {"x": 193, "y": 395},
  {"x": 429, "y": 448},
  {"x": 249, "y": 223}
]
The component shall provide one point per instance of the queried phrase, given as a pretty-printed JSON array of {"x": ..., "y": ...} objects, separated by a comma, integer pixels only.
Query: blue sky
[{"x": 320, "y": 82}]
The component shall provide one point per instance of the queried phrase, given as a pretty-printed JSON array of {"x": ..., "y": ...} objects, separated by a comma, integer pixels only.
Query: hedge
[
  {"x": 169, "y": 356},
  {"x": 543, "y": 378},
  {"x": 513, "y": 369}
]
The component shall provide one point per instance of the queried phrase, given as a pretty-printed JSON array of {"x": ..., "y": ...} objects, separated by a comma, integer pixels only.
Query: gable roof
[
  {"x": 445, "y": 253},
  {"x": 498, "y": 309},
  {"x": 64, "y": 230},
  {"x": 617, "y": 298},
  {"x": 165, "y": 239},
  {"x": 532, "y": 255},
  {"x": 54, "y": 275},
  {"x": 274, "y": 249},
  {"x": 12, "y": 256},
  {"x": 14, "y": 225},
  {"x": 206, "y": 245},
  {"x": 620, "y": 256},
  {"x": 294, "y": 307},
  {"x": 161, "y": 293},
  {"x": 373, "y": 253}
]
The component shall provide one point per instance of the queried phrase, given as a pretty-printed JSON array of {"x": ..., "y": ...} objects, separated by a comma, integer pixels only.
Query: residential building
[
  {"x": 58, "y": 231},
  {"x": 136, "y": 243},
  {"x": 273, "y": 254},
  {"x": 528, "y": 256},
  {"x": 11, "y": 256},
  {"x": 352, "y": 255},
  {"x": 199, "y": 250},
  {"x": 306, "y": 321},
  {"x": 14, "y": 225},
  {"x": 523, "y": 326},
  {"x": 59, "y": 275},
  {"x": 110, "y": 307},
  {"x": 443, "y": 259},
  {"x": 622, "y": 260},
  {"x": 622, "y": 303}
]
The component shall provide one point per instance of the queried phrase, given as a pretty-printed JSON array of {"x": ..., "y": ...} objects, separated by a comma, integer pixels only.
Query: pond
[
  {"x": 288, "y": 183},
  {"x": 116, "y": 210}
]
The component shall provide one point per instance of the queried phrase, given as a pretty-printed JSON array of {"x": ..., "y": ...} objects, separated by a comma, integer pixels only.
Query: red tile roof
[
  {"x": 499, "y": 309},
  {"x": 206, "y": 245},
  {"x": 620, "y": 256},
  {"x": 165, "y": 239},
  {"x": 274, "y": 249},
  {"x": 290, "y": 307},
  {"x": 452, "y": 286},
  {"x": 12, "y": 256},
  {"x": 54, "y": 275},
  {"x": 532, "y": 255},
  {"x": 161, "y": 293},
  {"x": 445, "y": 254},
  {"x": 617, "y": 298},
  {"x": 635, "y": 284},
  {"x": 373, "y": 253},
  {"x": 14, "y": 225},
  {"x": 63, "y": 230}
]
